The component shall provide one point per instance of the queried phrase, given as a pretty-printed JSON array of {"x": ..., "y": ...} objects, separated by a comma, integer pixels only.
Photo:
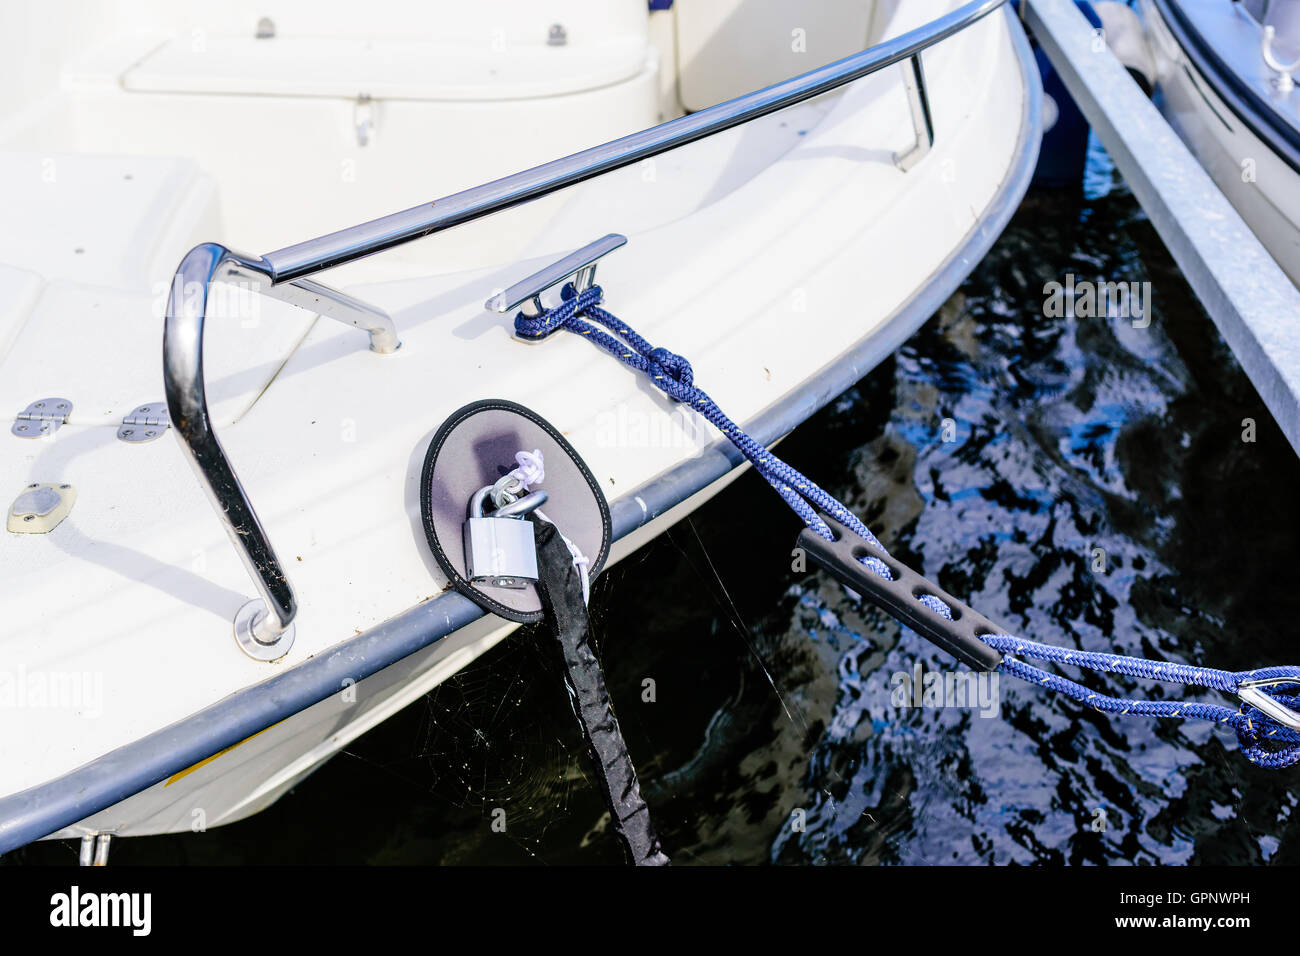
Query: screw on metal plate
[
  {"x": 557, "y": 36},
  {"x": 42, "y": 417},
  {"x": 145, "y": 423},
  {"x": 40, "y": 507}
]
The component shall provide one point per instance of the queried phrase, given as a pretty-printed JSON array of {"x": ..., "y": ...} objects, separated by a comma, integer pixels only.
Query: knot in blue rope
[{"x": 672, "y": 373}]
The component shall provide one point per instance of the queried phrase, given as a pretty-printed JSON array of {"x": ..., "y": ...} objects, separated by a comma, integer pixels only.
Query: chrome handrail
[{"x": 264, "y": 627}]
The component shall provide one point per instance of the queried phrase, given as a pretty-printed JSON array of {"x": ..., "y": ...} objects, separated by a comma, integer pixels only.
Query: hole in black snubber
[{"x": 959, "y": 637}]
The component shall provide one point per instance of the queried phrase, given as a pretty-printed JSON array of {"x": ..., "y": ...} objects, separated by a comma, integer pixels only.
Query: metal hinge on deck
[
  {"x": 42, "y": 417},
  {"x": 145, "y": 423}
]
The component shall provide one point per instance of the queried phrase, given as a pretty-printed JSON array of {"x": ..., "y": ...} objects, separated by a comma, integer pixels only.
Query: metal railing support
[
  {"x": 315, "y": 297},
  {"x": 264, "y": 626},
  {"x": 918, "y": 102}
]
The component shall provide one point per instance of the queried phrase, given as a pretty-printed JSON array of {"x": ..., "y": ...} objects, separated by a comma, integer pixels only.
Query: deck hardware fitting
[
  {"x": 42, "y": 417},
  {"x": 145, "y": 423},
  {"x": 557, "y": 35},
  {"x": 1283, "y": 81},
  {"x": 579, "y": 265},
  {"x": 257, "y": 635},
  {"x": 94, "y": 849},
  {"x": 918, "y": 103},
  {"x": 41, "y": 507},
  {"x": 363, "y": 116}
]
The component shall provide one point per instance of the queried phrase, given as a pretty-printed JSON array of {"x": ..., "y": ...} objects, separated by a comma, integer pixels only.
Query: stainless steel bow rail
[{"x": 264, "y": 626}]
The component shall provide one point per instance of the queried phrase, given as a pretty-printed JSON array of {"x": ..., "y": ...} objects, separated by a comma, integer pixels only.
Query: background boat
[{"x": 1237, "y": 112}]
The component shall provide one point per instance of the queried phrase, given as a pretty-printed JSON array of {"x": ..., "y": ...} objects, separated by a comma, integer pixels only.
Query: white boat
[
  {"x": 785, "y": 240},
  {"x": 1226, "y": 74}
]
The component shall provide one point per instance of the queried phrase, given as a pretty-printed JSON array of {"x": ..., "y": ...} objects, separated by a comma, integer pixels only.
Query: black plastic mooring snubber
[{"x": 898, "y": 598}]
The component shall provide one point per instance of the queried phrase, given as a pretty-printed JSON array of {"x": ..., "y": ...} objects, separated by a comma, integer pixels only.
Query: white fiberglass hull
[{"x": 784, "y": 278}]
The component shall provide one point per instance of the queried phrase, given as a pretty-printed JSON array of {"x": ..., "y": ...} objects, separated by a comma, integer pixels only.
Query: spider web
[{"x": 502, "y": 745}]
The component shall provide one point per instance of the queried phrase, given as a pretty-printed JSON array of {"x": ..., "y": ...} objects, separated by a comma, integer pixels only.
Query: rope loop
[
  {"x": 552, "y": 320},
  {"x": 1264, "y": 741}
]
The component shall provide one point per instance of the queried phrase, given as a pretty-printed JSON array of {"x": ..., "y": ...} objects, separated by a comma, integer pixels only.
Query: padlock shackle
[
  {"x": 511, "y": 509},
  {"x": 522, "y": 506}
]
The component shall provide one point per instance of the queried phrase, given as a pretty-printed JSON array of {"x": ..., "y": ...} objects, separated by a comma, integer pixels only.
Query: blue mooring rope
[{"x": 1263, "y": 740}]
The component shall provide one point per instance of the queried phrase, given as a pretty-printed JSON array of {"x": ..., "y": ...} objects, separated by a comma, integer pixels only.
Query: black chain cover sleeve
[{"x": 565, "y": 614}]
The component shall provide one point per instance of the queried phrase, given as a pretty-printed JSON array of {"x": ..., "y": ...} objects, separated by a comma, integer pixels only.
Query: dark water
[{"x": 773, "y": 687}]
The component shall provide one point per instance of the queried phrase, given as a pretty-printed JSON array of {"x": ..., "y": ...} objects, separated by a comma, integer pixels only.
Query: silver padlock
[{"x": 500, "y": 549}]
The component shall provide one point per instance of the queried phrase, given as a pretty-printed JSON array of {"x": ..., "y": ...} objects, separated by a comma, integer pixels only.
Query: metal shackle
[{"x": 512, "y": 509}]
